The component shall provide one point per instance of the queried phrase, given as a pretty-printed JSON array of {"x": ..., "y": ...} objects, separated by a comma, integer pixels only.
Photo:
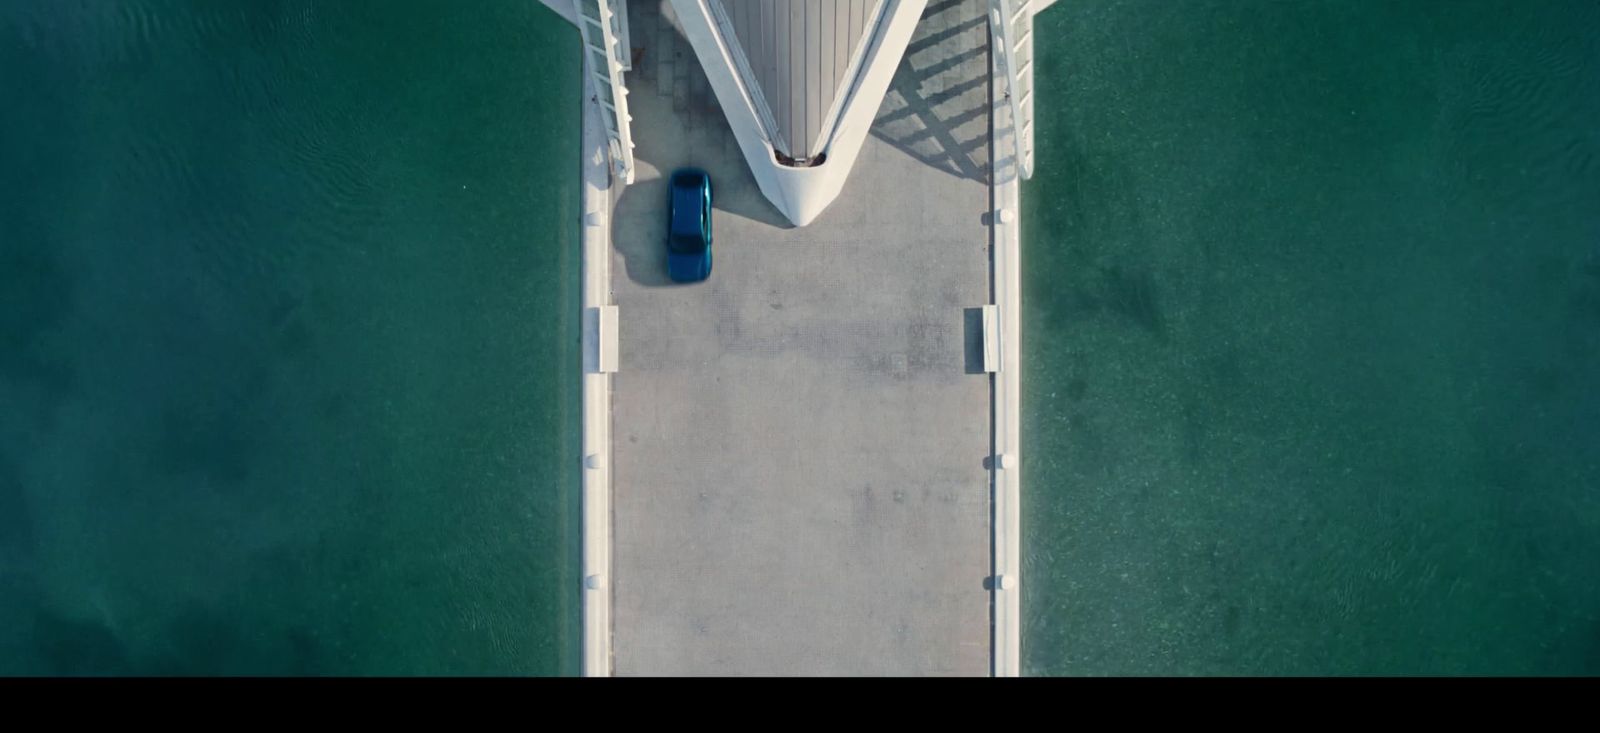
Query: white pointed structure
[{"x": 800, "y": 82}]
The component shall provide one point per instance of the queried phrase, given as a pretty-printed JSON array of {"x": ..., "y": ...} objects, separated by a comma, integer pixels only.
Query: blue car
[{"x": 689, "y": 231}]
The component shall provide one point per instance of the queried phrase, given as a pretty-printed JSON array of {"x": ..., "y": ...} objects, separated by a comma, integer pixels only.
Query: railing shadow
[{"x": 937, "y": 108}]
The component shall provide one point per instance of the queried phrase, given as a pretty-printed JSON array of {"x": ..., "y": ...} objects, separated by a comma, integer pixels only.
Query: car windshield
[{"x": 686, "y": 244}]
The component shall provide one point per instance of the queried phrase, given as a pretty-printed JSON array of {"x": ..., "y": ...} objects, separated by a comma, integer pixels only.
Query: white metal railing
[
  {"x": 604, "y": 27},
  {"x": 1012, "y": 26}
]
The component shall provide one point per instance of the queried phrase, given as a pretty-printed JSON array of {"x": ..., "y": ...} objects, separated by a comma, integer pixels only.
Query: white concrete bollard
[
  {"x": 1008, "y": 460},
  {"x": 1007, "y": 216},
  {"x": 594, "y": 461},
  {"x": 1006, "y": 582},
  {"x": 595, "y": 582}
]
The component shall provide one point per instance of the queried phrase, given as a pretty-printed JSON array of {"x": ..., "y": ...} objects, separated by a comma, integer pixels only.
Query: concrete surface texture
[{"x": 799, "y": 444}]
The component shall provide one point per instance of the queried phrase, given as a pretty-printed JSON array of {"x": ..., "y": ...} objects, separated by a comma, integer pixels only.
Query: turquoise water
[
  {"x": 1313, "y": 330},
  {"x": 288, "y": 337}
]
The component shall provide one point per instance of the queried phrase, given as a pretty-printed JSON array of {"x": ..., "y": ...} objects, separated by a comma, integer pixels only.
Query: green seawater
[
  {"x": 288, "y": 337},
  {"x": 1312, "y": 334}
]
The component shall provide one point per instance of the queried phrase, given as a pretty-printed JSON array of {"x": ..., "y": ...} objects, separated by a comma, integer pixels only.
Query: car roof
[{"x": 686, "y": 203}]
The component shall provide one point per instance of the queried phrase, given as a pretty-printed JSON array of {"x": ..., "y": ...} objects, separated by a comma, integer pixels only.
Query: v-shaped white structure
[{"x": 800, "y": 82}]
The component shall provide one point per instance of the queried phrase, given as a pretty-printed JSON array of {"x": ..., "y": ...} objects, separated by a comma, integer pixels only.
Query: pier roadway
[{"x": 798, "y": 444}]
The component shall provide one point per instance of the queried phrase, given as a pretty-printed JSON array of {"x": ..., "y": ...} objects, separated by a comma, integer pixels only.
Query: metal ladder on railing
[
  {"x": 604, "y": 26},
  {"x": 1012, "y": 26}
]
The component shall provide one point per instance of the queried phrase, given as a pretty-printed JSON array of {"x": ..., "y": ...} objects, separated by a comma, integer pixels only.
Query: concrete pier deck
[{"x": 799, "y": 445}]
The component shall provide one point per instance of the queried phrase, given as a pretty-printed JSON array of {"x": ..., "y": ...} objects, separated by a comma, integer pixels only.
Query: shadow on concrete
[
  {"x": 642, "y": 240},
  {"x": 591, "y": 350},
  {"x": 745, "y": 198},
  {"x": 937, "y": 108},
  {"x": 972, "y": 328}
]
